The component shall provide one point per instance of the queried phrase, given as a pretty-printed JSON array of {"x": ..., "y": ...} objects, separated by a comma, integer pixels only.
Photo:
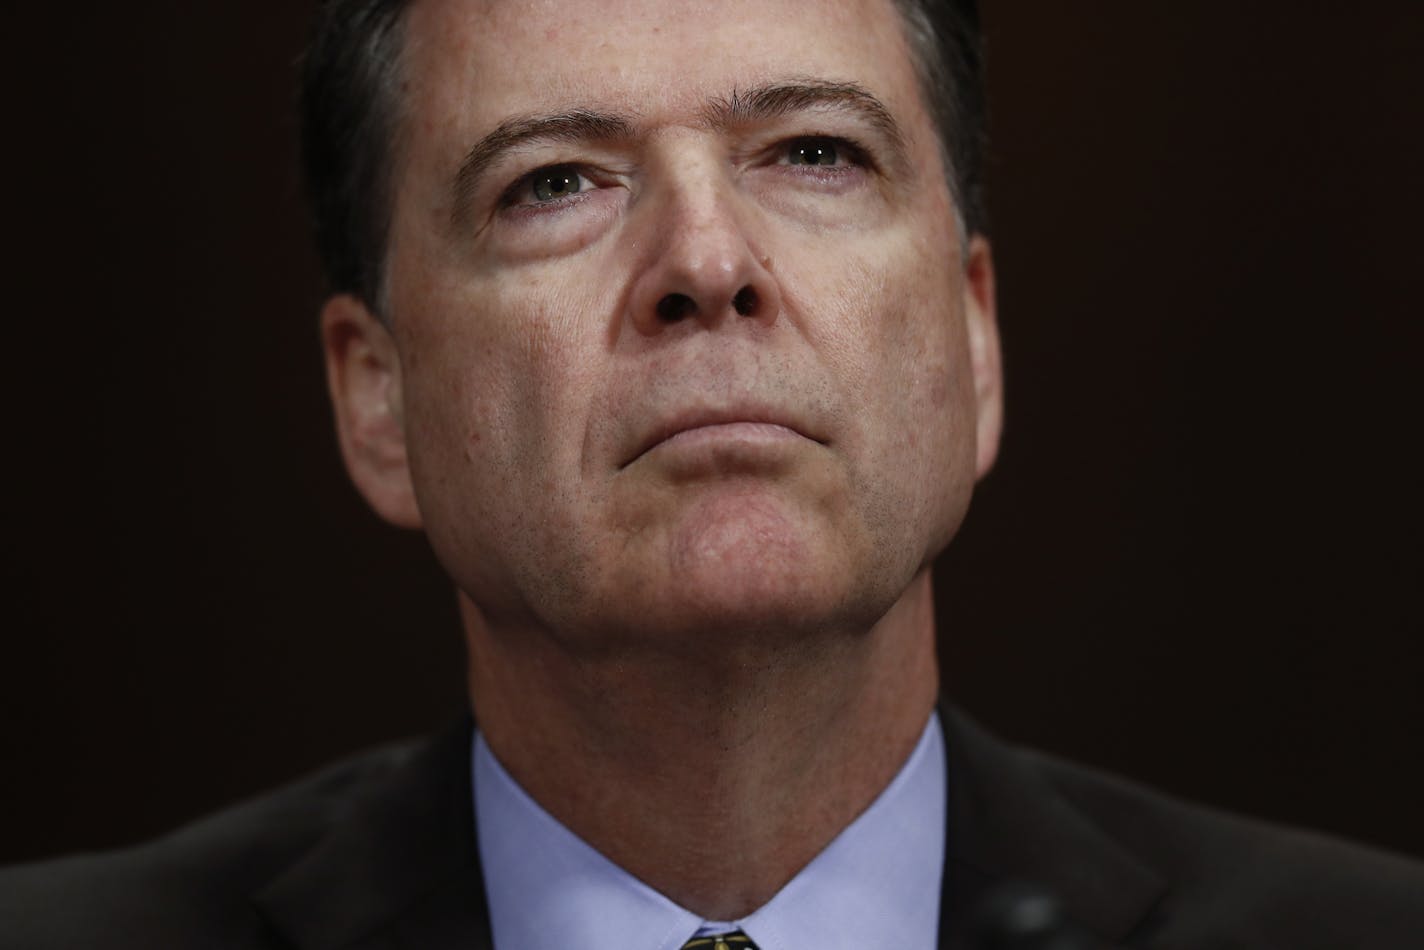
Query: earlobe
[
  {"x": 982, "y": 321},
  {"x": 363, "y": 376}
]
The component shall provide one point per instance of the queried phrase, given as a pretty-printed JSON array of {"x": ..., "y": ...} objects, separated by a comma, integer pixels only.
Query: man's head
[{"x": 680, "y": 331}]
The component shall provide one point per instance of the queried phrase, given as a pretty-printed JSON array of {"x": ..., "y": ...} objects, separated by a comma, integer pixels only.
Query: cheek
[
  {"x": 501, "y": 369},
  {"x": 496, "y": 398},
  {"x": 498, "y": 376},
  {"x": 889, "y": 325}
]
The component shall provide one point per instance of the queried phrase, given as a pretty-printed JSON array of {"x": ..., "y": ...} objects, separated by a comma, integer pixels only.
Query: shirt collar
[{"x": 876, "y": 884}]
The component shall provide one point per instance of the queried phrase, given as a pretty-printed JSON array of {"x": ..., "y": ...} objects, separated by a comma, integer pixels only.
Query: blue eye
[
  {"x": 558, "y": 181},
  {"x": 812, "y": 152}
]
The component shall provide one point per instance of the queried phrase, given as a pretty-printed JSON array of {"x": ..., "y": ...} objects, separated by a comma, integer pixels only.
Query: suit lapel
[
  {"x": 1008, "y": 824},
  {"x": 401, "y": 870}
]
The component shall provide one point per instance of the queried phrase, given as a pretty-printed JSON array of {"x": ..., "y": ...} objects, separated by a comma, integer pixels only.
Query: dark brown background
[{"x": 1198, "y": 561}]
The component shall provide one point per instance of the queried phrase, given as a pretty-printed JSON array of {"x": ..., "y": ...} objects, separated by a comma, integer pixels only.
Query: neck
[{"x": 675, "y": 767}]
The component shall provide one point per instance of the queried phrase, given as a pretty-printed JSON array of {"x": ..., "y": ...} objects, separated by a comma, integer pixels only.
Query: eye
[
  {"x": 813, "y": 151},
  {"x": 547, "y": 186},
  {"x": 558, "y": 182}
]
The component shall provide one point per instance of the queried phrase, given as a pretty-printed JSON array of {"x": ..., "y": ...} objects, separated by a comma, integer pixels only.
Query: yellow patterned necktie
[{"x": 736, "y": 940}]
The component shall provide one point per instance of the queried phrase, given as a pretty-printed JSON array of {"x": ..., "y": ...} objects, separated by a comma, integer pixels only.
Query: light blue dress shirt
[{"x": 876, "y": 885}]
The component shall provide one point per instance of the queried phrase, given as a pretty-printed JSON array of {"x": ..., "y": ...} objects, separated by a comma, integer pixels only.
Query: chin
[{"x": 759, "y": 574}]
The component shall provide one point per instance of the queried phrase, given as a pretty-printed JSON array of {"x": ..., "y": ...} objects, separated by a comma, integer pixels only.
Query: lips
[{"x": 765, "y": 419}]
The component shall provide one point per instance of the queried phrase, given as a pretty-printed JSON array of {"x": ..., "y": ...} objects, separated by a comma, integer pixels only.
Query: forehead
[{"x": 471, "y": 64}]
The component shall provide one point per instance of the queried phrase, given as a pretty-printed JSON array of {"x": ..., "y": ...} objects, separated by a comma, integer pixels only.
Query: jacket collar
[
  {"x": 400, "y": 869},
  {"x": 1007, "y": 824}
]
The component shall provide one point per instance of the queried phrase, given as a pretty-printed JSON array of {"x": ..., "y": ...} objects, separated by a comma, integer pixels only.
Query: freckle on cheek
[{"x": 939, "y": 393}]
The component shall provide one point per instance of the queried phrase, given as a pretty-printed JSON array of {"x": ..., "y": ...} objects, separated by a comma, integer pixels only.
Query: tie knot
[{"x": 736, "y": 940}]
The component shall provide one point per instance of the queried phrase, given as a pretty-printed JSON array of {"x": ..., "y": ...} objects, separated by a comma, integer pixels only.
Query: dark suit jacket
[{"x": 380, "y": 852}]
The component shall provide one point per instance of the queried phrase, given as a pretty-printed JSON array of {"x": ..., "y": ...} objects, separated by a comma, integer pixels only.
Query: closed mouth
[{"x": 750, "y": 423}]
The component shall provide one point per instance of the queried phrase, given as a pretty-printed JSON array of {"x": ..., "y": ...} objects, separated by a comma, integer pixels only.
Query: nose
[{"x": 705, "y": 266}]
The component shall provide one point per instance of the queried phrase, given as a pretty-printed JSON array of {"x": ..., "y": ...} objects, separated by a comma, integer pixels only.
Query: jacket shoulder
[
  {"x": 193, "y": 883},
  {"x": 1237, "y": 881}
]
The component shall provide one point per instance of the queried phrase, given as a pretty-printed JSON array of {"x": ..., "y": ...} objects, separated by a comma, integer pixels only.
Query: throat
[{"x": 714, "y": 788}]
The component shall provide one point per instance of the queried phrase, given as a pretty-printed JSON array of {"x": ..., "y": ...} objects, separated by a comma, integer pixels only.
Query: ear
[
  {"x": 982, "y": 321},
  {"x": 363, "y": 376}
]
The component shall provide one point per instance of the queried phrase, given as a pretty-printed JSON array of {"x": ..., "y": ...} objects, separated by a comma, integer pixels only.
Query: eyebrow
[{"x": 742, "y": 107}]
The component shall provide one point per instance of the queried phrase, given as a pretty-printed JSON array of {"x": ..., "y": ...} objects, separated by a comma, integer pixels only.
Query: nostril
[
  {"x": 674, "y": 307},
  {"x": 745, "y": 301}
]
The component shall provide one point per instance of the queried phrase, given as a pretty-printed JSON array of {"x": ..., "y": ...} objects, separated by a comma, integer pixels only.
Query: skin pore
[{"x": 687, "y": 374}]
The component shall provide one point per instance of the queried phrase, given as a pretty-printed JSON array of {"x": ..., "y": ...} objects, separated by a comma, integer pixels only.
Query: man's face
[{"x": 690, "y": 346}]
